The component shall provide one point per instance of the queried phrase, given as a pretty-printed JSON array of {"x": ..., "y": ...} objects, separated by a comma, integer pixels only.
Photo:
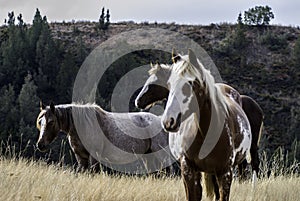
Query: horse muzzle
[
  {"x": 42, "y": 147},
  {"x": 172, "y": 124}
]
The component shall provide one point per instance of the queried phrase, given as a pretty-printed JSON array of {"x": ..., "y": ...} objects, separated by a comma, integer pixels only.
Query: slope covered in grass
[{"x": 29, "y": 180}]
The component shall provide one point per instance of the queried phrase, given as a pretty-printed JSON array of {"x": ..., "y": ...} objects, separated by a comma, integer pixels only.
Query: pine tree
[
  {"x": 28, "y": 110},
  {"x": 14, "y": 53},
  {"x": 66, "y": 78},
  {"x": 107, "y": 19},
  {"x": 35, "y": 30},
  {"x": 239, "y": 40},
  {"x": 8, "y": 112},
  {"x": 28, "y": 101},
  {"x": 11, "y": 19},
  {"x": 47, "y": 60},
  {"x": 102, "y": 19}
]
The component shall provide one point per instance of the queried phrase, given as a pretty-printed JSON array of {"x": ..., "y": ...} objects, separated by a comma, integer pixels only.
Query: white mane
[{"x": 186, "y": 69}]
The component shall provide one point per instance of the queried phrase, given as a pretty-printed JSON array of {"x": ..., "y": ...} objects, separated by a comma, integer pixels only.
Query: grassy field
[{"x": 28, "y": 180}]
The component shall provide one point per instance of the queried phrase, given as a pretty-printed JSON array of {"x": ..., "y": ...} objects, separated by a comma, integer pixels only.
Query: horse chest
[{"x": 220, "y": 156}]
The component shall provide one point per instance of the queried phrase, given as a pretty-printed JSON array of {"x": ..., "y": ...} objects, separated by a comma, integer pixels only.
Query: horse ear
[
  {"x": 151, "y": 64},
  {"x": 175, "y": 56},
  {"x": 52, "y": 107},
  {"x": 193, "y": 58},
  {"x": 42, "y": 106}
]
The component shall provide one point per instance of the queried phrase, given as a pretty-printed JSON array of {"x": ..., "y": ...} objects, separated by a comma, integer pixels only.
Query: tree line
[{"x": 33, "y": 67}]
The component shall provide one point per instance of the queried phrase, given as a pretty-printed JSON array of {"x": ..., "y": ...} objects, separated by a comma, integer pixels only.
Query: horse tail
[
  {"x": 260, "y": 132},
  {"x": 255, "y": 116},
  {"x": 208, "y": 182}
]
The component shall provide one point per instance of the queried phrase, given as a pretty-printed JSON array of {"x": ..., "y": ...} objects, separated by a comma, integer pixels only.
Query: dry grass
[{"x": 28, "y": 180}]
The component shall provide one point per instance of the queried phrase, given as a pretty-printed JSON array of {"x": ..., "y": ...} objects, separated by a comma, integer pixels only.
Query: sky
[{"x": 199, "y": 12}]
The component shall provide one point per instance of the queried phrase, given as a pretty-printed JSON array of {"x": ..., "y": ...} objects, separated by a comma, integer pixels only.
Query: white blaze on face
[
  {"x": 42, "y": 123},
  {"x": 181, "y": 92},
  {"x": 151, "y": 80}
]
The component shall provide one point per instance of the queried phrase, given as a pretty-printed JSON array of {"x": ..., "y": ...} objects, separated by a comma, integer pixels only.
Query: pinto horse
[
  {"x": 146, "y": 135},
  {"x": 156, "y": 90},
  {"x": 214, "y": 135}
]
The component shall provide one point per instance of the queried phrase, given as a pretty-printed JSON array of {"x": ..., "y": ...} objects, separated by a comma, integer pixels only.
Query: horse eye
[{"x": 51, "y": 121}]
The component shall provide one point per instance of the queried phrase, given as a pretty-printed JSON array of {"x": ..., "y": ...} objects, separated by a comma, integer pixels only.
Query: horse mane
[
  {"x": 84, "y": 116},
  {"x": 185, "y": 68}
]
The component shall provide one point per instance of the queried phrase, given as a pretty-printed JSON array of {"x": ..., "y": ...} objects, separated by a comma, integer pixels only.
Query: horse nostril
[{"x": 171, "y": 122}]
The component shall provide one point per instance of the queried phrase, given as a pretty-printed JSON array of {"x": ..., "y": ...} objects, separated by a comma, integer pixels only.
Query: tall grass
[{"x": 28, "y": 179}]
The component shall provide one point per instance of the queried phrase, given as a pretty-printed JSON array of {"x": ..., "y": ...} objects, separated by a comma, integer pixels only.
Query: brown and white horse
[
  {"x": 155, "y": 90},
  {"x": 211, "y": 131}
]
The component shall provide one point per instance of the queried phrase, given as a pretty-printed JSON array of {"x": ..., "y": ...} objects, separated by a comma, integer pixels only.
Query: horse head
[
  {"x": 48, "y": 125},
  {"x": 184, "y": 90},
  {"x": 155, "y": 88}
]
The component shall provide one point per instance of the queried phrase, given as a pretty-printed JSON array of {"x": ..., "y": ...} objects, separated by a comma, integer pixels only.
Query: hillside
[{"x": 263, "y": 68}]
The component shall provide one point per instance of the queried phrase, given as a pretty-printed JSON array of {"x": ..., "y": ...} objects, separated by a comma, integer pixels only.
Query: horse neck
[
  {"x": 205, "y": 114},
  {"x": 64, "y": 118}
]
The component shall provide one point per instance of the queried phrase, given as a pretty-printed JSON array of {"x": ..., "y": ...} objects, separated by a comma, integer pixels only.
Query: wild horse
[
  {"x": 156, "y": 90},
  {"x": 197, "y": 86},
  {"x": 134, "y": 133}
]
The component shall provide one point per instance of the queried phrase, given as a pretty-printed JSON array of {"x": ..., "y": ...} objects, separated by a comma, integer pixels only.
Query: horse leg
[
  {"x": 94, "y": 164},
  {"x": 216, "y": 188},
  {"x": 254, "y": 162},
  {"x": 192, "y": 180},
  {"x": 224, "y": 182},
  {"x": 83, "y": 163},
  {"x": 242, "y": 170}
]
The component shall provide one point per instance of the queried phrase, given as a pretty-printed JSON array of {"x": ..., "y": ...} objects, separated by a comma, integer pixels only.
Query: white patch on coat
[{"x": 244, "y": 147}]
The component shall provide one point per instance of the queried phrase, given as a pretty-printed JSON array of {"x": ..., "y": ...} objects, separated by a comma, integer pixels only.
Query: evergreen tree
[
  {"x": 239, "y": 39},
  {"x": 11, "y": 19},
  {"x": 35, "y": 30},
  {"x": 8, "y": 112},
  {"x": 107, "y": 19},
  {"x": 66, "y": 78},
  {"x": 102, "y": 19},
  {"x": 14, "y": 54},
  {"x": 28, "y": 101},
  {"x": 47, "y": 60}
]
